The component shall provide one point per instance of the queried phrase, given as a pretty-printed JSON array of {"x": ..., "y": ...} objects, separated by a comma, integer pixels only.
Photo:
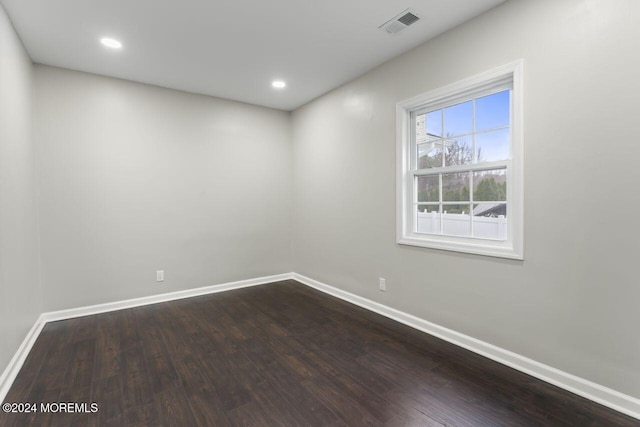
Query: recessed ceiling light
[
  {"x": 112, "y": 43},
  {"x": 278, "y": 84}
]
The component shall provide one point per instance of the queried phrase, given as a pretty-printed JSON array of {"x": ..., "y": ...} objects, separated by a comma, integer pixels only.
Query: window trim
[{"x": 513, "y": 247}]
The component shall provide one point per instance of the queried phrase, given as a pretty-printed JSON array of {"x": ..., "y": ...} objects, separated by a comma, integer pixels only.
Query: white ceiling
[{"x": 231, "y": 48}]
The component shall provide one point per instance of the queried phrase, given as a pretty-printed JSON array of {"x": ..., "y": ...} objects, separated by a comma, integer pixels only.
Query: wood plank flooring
[{"x": 277, "y": 355}]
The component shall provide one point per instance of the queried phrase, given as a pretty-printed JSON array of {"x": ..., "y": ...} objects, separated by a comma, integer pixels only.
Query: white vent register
[{"x": 400, "y": 22}]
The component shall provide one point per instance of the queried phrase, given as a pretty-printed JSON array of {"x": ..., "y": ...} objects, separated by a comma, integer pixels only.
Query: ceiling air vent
[{"x": 400, "y": 22}]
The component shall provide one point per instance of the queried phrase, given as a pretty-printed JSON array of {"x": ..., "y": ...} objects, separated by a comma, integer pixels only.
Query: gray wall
[
  {"x": 136, "y": 178},
  {"x": 573, "y": 302},
  {"x": 20, "y": 293}
]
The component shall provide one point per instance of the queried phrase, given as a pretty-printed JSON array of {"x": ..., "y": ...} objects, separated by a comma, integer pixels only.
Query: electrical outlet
[
  {"x": 383, "y": 284},
  {"x": 160, "y": 276}
]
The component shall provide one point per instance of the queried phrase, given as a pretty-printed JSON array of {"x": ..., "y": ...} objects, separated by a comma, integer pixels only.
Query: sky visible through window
[{"x": 455, "y": 125}]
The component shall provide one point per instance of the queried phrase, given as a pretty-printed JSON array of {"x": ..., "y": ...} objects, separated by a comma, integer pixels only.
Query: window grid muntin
[
  {"x": 415, "y": 158},
  {"x": 463, "y": 168},
  {"x": 470, "y": 169}
]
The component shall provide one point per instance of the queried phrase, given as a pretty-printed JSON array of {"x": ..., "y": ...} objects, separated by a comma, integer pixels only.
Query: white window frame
[{"x": 451, "y": 94}]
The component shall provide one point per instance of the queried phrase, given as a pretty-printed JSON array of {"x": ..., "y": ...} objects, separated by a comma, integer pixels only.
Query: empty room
[{"x": 319, "y": 213}]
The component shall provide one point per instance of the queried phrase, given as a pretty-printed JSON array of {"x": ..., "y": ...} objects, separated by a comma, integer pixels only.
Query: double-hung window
[{"x": 460, "y": 161}]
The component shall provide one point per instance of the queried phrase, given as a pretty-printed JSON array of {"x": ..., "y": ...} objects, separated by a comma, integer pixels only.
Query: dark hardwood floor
[{"x": 277, "y": 355}]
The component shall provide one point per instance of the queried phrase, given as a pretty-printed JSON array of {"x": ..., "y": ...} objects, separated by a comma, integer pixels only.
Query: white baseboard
[
  {"x": 603, "y": 395},
  {"x": 18, "y": 359},
  {"x": 155, "y": 299},
  {"x": 11, "y": 372}
]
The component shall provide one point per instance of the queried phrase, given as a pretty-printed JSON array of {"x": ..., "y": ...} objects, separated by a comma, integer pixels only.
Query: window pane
[
  {"x": 434, "y": 124},
  {"x": 429, "y": 127},
  {"x": 490, "y": 221},
  {"x": 490, "y": 186},
  {"x": 421, "y": 129},
  {"x": 428, "y": 208},
  {"x": 430, "y": 155},
  {"x": 492, "y": 111},
  {"x": 456, "y": 208},
  {"x": 428, "y": 188},
  {"x": 458, "y": 119},
  {"x": 456, "y": 220},
  {"x": 455, "y": 187},
  {"x": 428, "y": 219},
  {"x": 492, "y": 146},
  {"x": 458, "y": 151}
]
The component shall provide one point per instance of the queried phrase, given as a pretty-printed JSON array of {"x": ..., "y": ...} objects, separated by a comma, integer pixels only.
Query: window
[{"x": 460, "y": 156}]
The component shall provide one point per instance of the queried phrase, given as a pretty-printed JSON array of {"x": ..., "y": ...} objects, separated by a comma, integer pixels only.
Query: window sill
[{"x": 498, "y": 250}]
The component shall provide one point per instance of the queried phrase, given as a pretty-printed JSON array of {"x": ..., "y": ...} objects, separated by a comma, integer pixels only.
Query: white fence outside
[{"x": 460, "y": 225}]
